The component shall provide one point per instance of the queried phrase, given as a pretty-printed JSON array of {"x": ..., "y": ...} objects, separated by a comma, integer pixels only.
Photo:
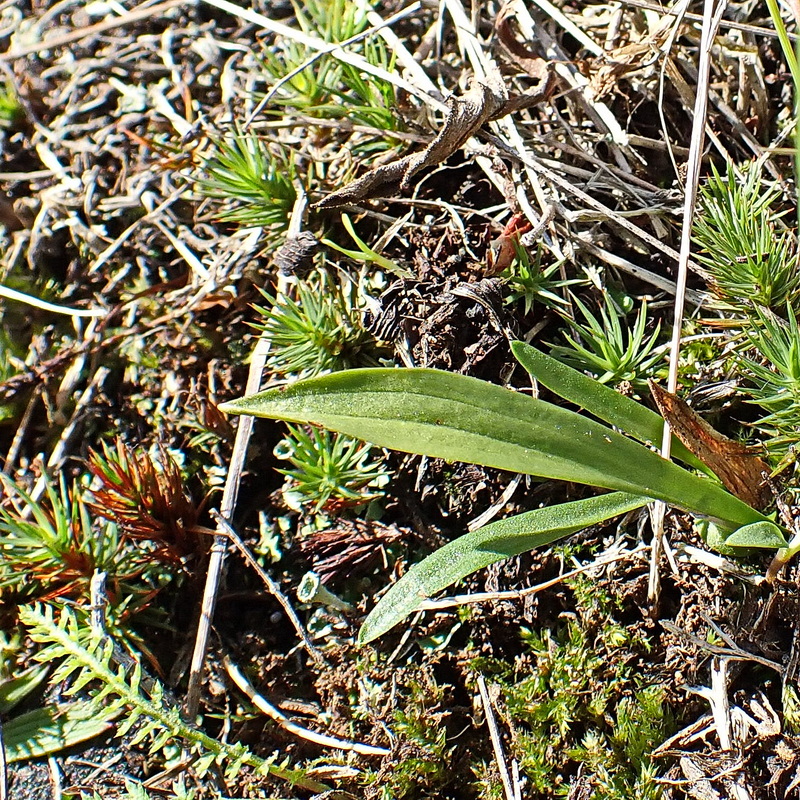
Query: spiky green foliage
[
  {"x": 531, "y": 282},
  {"x": 330, "y": 468},
  {"x": 750, "y": 259},
  {"x": 253, "y": 178},
  {"x": 608, "y": 350},
  {"x": 87, "y": 664},
  {"x": 50, "y": 548},
  {"x": 324, "y": 87},
  {"x": 320, "y": 331},
  {"x": 771, "y": 367}
]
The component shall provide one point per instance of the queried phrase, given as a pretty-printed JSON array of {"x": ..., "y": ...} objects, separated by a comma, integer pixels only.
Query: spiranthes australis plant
[
  {"x": 750, "y": 261},
  {"x": 320, "y": 331},
  {"x": 329, "y": 469},
  {"x": 610, "y": 351},
  {"x": 147, "y": 501},
  {"x": 253, "y": 179}
]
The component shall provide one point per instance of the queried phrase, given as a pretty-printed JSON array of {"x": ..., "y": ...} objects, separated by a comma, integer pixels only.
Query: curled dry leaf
[
  {"x": 465, "y": 115},
  {"x": 739, "y": 468},
  {"x": 484, "y": 101},
  {"x": 517, "y": 53},
  {"x": 629, "y": 58}
]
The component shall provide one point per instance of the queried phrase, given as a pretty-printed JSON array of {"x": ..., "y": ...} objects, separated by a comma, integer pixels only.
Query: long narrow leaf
[
  {"x": 478, "y": 549},
  {"x": 44, "y": 731},
  {"x": 459, "y": 418},
  {"x": 598, "y": 399}
]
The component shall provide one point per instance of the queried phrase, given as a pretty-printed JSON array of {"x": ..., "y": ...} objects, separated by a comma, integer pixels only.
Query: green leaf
[
  {"x": 758, "y": 534},
  {"x": 13, "y": 690},
  {"x": 459, "y": 418},
  {"x": 478, "y": 549},
  {"x": 600, "y": 400},
  {"x": 48, "y": 730}
]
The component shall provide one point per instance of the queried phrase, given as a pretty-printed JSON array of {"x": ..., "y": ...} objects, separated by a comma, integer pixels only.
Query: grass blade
[{"x": 485, "y": 546}]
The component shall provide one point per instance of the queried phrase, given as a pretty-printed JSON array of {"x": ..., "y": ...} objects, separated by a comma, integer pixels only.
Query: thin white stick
[
  {"x": 378, "y": 25},
  {"x": 494, "y": 735},
  {"x": 398, "y": 48},
  {"x": 230, "y": 494},
  {"x": 315, "y": 43},
  {"x": 721, "y": 710},
  {"x": 570, "y": 27},
  {"x": 711, "y": 19},
  {"x": 224, "y": 525},
  {"x": 519, "y": 594},
  {"x": 13, "y": 294},
  {"x": 97, "y": 604},
  {"x": 273, "y": 713}
]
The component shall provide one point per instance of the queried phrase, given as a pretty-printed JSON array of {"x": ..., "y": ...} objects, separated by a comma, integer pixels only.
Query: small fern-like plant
[
  {"x": 87, "y": 663},
  {"x": 136, "y": 791}
]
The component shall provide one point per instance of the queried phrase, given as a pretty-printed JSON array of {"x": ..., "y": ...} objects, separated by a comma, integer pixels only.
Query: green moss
[
  {"x": 576, "y": 705},
  {"x": 422, "y": 763}
]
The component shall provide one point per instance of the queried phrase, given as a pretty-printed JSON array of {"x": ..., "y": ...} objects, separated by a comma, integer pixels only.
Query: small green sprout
[
  {"x": 530, "y": 281},
  {"x": 321, "y": 331},
  {"x": 330, "y": 470},
  {"x": 612, "y": 353},
  {"x": 365, "y": 254}
]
